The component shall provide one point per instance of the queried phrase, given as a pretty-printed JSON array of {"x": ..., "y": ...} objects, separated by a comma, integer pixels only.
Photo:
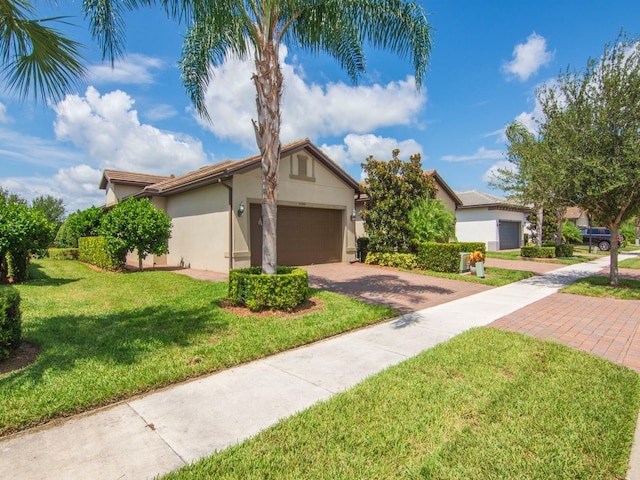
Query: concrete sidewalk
[{"x": 165, "y": 430}]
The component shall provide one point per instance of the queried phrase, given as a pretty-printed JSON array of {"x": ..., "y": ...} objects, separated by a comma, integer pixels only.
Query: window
[{"x": 302, "y": 168}]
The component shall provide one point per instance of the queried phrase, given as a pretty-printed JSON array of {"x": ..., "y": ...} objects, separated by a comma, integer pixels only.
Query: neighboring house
[
  {"x": 216, "y": 210},
  {"x": 444, "y": 193},
  {"x": 576, "y": 216},
  {"x": 483, "y": 217}
]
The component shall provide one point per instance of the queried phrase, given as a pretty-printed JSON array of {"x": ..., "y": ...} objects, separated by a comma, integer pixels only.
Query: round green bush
[{"x": 285, "y": 290}]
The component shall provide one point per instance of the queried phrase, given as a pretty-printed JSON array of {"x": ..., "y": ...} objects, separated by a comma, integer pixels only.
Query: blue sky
[{"x": 488, "y": 58}]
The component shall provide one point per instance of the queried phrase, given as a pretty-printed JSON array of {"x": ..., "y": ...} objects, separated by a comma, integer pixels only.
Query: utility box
[{"x": 464, "y": 262}]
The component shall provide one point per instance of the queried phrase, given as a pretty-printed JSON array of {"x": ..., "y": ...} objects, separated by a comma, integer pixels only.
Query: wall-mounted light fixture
[
  {"x": 353, "y": 215},
  {"x": 241, "y": 209}
]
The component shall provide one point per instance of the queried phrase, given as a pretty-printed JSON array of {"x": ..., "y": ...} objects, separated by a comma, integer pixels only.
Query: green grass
[
  {"x": 487, "y": 404},
  {"x": 515, "y": 255},
  {"x": 107, "y": 336},
  {"x": 495, "y": 277},
  {"x": 629, "y": 263},
  {"x": 598, "y": 286}
]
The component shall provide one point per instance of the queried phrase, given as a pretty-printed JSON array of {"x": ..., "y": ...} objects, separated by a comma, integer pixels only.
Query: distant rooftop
[{"x": 475, "y": 198}]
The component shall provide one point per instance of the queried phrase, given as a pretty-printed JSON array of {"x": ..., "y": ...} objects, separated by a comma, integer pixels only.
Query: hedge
[
  {"x": 63, "y": 253},
  {"x": 445, "y": 257},
  {"x": 10, "y": 321},
  {"x": 283, "y": 291},
  {"x": 93, "y": 250},
  {"x": 538, "y": 252},
  {"x": 406, "y": 261},
  {"x": 564, "y": 250}
]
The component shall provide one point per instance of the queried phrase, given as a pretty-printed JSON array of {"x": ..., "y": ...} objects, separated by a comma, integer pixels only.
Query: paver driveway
[{"x": 406, "y": 292}]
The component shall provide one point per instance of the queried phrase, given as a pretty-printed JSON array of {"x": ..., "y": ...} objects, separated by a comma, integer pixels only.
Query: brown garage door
[{"x": 305, "y": 235}]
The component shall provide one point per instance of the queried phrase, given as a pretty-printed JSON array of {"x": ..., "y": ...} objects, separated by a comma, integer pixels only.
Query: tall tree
[
  {"x": 257, "y": 28},
  {"x": 393, "y": 188},
  {"x": 36, "y": 58},
  {"x": 51, "y": 207},
  {"x": 535, "y": 177},
  {"x": 594, "y": 118}
]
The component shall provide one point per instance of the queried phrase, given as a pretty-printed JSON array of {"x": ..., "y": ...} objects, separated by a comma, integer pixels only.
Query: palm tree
[
  {"x": 430, "y": 221},
  {"x": 256, "y": 28},
  {"x": 35, "y": 57}
]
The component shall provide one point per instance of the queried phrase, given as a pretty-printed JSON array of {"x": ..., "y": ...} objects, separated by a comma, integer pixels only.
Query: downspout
[{"x": 230, "y": 190}]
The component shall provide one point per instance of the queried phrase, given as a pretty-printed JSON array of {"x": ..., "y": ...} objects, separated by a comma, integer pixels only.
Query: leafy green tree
[
  {"x": 535, "y": 178},
  {"x": 393, "y": 188},
  {"x": 136, "y": 225},
  {"x": 594, "y": 119},
  {"x": 23, "y": 231},
  {"x": 51, "y": 207},
  {"x": 85, "y": 223},
  {"x": 430, "y": 221},
  {"x": 257, "y": 28},
  {"x": 36, "y": 57}
]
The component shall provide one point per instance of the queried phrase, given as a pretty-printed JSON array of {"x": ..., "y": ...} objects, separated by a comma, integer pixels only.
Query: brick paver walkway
[{"x": 602, "y": 326}]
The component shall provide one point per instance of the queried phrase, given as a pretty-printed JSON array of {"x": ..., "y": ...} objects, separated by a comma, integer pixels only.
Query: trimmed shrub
[
  {"x": 93, "y": 250},
  {"x": 445, "y": 257},
  {"x": 564, "y": 250},
  {"x": 18, "y": 261},
  {"x": 538, "y": 252},
  {"x": 283, "y": 291},
  {"x": 406, "y": 261},
  {"x": 362, "y": 245},
  {"x": 10, "y": 321},
  {"x": 63, "y": 253}
]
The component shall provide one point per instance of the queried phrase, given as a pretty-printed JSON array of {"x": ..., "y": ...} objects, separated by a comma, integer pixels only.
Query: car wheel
[{"x": 604, "y": 246}]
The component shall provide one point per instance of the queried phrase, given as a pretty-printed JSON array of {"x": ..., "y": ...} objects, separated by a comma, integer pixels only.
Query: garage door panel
[
  {"x": 509, "y": 235},
  {"x": 305, "y": 235}
]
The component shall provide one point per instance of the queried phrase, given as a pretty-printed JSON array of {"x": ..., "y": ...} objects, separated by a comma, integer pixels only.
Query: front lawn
[
  {"x": 515, "y": 255},
  {"x": 598, "y": 286},
  {"x": 108, "y": 336},
  {"x": 629, "y": 263},
  {"x": 487, "y": 404}
]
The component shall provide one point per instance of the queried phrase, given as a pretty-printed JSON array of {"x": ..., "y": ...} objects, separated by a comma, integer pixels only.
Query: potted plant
[{"x": 476, "y": 262}]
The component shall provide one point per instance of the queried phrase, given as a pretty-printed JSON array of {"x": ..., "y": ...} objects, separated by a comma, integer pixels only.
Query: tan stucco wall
[
  {"x": 115, "y": 193},
  {"x": 199, "y": 234},
  {"x": 327, "y": 191}
]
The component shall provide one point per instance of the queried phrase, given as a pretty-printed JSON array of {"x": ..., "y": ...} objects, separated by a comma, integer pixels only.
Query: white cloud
[
  {"x": 490, "y": 174},
  {"x": 356, "y": 149},
  {"x": 480, "y": 154},
  {"x": 134, "y": 69},
  {"x": 160, "y": 112},
  {"x": 308, "y": 110},
  {"x": 107, "y": 129},
  {"x": 4, "y": 117},
  {"x": 77, "y": 186},
  {"x": 528, "y": 58}
]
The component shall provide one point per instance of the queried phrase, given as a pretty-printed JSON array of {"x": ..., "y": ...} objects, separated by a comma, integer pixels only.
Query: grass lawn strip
[
  {"x": 630, "y": 263},
  {"x": 486, "y": 404},
  {"x": 598, "y": 286},
  {"x": 106, "y": 337},
  {"x": 494, "y": 276}
]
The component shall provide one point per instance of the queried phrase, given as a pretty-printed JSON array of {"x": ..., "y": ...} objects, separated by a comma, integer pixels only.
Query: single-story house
[
  {"x": 483, "y": 217},
  {"x": 577, "y": 216},
  {"x": 443, "y": 193},
  {"x": 216, "y": 210}
]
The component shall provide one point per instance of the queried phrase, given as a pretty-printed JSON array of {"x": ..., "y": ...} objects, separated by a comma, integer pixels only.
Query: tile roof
[
  {"x": 475, "y": 199},
  {"x": 209, "y": 174},
  {"x": 130, "y": 178}
]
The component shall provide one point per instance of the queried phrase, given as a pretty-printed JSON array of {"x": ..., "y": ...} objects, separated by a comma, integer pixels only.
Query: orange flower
[{"x": 475, "y": 257}]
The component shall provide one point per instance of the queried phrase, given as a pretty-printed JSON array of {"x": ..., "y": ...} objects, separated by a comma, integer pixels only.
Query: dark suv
[{"x": 600, "y": 237}]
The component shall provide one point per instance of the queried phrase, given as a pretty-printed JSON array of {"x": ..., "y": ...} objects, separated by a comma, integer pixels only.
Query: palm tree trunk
[{"x": 268, "y": 80}]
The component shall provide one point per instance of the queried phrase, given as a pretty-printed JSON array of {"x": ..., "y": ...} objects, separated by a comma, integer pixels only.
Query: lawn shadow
[
  {"x": 38, "y": 277},
  {"x": 120, "y": 338}
]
